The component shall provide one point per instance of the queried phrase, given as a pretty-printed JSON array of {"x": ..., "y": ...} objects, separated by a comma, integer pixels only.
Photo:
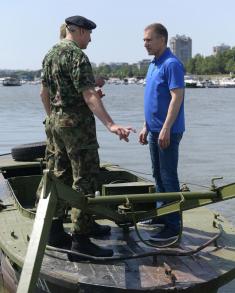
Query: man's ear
[{"x": 81, "y": 30}]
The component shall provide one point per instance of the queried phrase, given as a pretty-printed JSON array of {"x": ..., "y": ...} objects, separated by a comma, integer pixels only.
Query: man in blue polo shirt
[{"x": 164, "y": 119}]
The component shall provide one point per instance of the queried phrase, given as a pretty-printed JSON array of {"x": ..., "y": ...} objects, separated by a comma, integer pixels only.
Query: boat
[
  {"x": 211, "y": 83},
  {"x": 192, "y": 82},
  {"x": 11, "y": 81},
  {"x": 201, "y": 260},
  {"x": 227, "y": 82}
]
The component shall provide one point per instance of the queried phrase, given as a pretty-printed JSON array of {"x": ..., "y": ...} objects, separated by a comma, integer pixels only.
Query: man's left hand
[{"x": 164, "y": 138}]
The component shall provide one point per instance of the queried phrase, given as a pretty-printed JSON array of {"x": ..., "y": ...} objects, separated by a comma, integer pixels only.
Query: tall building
[
  {"x": 181, "y": 46},
  {"x": 143, "y": 64},
  {"x": 221, "y": 48}
]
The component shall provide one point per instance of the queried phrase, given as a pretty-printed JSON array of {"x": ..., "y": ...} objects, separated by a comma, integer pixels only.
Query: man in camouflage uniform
[
  {"x": 68, "y": 76},
  {"x": 50, "y": 150}
]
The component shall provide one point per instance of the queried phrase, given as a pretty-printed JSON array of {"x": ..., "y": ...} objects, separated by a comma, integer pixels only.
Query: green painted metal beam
[{"x": 151, "y": 197}]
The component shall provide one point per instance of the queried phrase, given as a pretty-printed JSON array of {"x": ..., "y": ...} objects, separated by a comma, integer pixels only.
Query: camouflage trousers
[
  {"x": 50, "y": 149},
  {"x": 49, "y": 152},
  {"x": 75, "y": 165}
]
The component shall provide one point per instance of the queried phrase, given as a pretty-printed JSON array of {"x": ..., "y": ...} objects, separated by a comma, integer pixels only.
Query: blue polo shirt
[{"x": 164, "y": 74}]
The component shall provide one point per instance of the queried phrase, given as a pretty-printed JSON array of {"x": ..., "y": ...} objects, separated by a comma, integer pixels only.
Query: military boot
[
  {"x": 82, "y": 244},
  {"x": 58, "y": 237}
]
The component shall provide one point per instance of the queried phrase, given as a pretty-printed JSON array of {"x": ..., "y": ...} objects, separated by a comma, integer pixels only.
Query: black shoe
[
  {"x": 58, "y": 237},
  {"x": 99, "y": 230},
  {"x": 82, "y": 244}
]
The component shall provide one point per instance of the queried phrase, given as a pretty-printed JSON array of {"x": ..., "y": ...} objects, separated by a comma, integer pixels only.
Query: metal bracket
[{"x": 213, "y": 186}]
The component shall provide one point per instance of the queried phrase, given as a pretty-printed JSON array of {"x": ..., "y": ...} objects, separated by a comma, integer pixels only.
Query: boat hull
[{"x": 205, "y": 271}]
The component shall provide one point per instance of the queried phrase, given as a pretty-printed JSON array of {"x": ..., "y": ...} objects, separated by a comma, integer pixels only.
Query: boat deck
[
  {"x": 145, "y": 274},
  {"x": 206, "y": 270},
  {"x": 161, "y": 272}
]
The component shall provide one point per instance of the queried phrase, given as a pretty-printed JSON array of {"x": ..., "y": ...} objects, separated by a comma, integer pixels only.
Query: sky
[{"x": 29, "y": 28}]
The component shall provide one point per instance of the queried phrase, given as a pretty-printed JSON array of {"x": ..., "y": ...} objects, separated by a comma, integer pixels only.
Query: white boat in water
[
  {"x": 11, "y": 81},
  {"x": 227, "y": 82},
  {"x": 192, "y": 82}
]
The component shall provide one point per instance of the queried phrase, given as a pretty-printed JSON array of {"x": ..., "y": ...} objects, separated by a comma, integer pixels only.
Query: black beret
[{"x": 81, "y": 21}]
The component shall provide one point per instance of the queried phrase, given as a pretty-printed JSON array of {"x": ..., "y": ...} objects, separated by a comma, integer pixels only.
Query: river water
[{"x": 207, "y": 149}]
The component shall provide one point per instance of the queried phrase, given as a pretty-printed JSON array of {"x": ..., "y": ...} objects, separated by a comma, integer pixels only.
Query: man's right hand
[
  {"x": 143, "y": 136},
  {"x": 122, "y": 131}
]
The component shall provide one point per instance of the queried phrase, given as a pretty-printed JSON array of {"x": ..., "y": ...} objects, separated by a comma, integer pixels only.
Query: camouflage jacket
[{"x": 67, "y": 73}]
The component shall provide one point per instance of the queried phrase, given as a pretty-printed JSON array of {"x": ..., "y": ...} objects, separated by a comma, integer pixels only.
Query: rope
[{"x": 177, "y": 240}]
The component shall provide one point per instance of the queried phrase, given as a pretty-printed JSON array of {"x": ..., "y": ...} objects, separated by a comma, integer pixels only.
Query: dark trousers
[{"x": 164, "y": 168}]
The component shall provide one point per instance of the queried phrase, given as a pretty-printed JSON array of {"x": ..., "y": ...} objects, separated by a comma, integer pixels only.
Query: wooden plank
[{"x": 37, "y": 244}]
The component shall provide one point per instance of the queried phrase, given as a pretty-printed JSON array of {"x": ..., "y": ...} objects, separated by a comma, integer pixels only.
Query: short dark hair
[{"x": 159, "y": 29}]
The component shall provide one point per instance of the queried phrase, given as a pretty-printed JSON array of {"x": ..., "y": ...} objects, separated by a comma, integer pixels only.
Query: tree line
[
  {"x": 21, "y": 74},
  {"x": 221, "y": 63},
  {"x": 120, "y": 71}
]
